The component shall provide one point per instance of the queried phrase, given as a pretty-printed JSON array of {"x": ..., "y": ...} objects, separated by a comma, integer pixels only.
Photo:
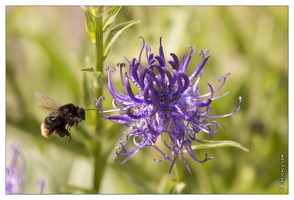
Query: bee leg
[
  {"x": 62, "y": 131},
  {"x": 70, "y": 139},
  {"x": 77, "y": 123},
  {"x": 69, "y": 127}
]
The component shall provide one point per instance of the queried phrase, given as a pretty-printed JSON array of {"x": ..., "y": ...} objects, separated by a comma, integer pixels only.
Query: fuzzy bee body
[
  {"x": 61, "y": 118},
  {"x": 54, "y": 122}
]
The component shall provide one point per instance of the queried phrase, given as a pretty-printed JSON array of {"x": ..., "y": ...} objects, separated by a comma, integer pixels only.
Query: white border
[{"x": 136, "y": 2}]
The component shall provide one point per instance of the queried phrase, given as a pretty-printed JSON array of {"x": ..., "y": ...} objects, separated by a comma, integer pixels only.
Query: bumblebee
[{"x": 61, "y": 118}]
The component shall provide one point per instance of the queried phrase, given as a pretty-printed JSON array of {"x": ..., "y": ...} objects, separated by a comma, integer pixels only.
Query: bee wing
[{"x": 46, "y": 102}]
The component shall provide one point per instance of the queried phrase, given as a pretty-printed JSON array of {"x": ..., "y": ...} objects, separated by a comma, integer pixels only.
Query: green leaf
[
  {"x": 178, "y": 188},
  {"x": 98, "y": 80},
  {"x": 90, "y": 23},
  {"x": 114, "y": 33},
  {"x": 93, "y": 10},
  {"x": 87, "y": 69},
  {"x": 206, "y": 144},
  {"x": 109, "y": 17}
]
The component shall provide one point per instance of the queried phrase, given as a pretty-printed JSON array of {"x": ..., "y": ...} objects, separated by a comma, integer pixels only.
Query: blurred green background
[{"x": 46, "y": 46}]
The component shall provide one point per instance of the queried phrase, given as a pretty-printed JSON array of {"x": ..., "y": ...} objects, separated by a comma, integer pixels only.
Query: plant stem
[
  {"x": 99, "y": 163},
  {"x": 179, "y": 171},
  {"x": 179, "y": 181},
  {"x": 99, "y": 59}
]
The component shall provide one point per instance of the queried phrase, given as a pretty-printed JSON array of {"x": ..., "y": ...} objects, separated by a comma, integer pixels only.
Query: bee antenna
[
  {"x": 87, "y": 105},
  {"x": 90, "y": 109}
]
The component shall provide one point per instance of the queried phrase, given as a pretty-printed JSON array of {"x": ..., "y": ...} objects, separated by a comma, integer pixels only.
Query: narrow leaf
[
  {"x": 87, "y": 69},
  {"x": 114, "y": 33},
  {"x": 90, "y": 23},
  {"x": 206, "y": 144},
  {"x": 109, "y": 17},
  {"x": 93, "y": 10}
]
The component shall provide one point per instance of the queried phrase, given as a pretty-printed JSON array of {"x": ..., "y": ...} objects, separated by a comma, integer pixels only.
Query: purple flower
[
  {"x": 15, "y": 172},
  {"x": 167, "y": 105}
]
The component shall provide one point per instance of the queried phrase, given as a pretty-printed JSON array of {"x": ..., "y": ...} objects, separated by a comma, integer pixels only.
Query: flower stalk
[
  {"x": 103, "y": 35},
  {"x": 99, "y": 165}
]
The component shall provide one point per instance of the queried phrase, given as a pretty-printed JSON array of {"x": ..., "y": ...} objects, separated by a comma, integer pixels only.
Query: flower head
[
  {"x": 15, "y": 172},
  {"x": 168, "y": 105}
]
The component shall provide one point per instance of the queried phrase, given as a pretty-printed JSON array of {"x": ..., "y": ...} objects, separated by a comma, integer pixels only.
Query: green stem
[
  {"x": 99, "y": 164},
  {"x": 179, "y": 181},
  {"x": 99, "y": 57},
  {"x": 179, "y": 171}
]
